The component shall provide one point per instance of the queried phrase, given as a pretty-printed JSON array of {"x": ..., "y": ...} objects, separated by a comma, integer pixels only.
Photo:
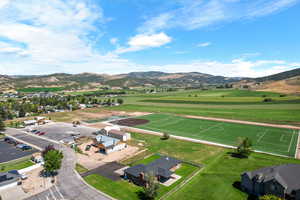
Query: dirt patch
[
  {"x": 130, "y": 122},
  {"x": 35, "y": 183}
]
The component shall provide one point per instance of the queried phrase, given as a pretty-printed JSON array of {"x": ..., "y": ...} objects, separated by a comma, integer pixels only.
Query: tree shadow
[{"x": 237, "y": 155}]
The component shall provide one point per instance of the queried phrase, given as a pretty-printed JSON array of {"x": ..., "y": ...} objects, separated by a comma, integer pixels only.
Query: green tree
[
  {"x": 151, "y": 187},
  {"x": 120, "y": 101},
  {"x": 22, "y": 112},
  {"x": 269, "y": 197},
  {"x": 52, "y": 161},
  {"x": 2, "y": 125},
  {"x": 244, "y": 147}
]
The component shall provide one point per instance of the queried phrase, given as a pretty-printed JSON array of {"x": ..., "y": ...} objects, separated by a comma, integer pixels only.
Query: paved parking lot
[
  {"x": 59, "y": 131},
  {"x": 9, "y": 152}
]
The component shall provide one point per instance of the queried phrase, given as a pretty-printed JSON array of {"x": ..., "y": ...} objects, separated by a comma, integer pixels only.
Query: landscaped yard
[
  {"x": 128, "y": 191},
  {"x": 217, "y": 179},
  {"x": 15, "y": 165},
  {"x": 268, "y": 139}
]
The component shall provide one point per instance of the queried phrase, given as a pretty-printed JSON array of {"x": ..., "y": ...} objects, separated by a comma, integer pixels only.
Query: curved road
[{"x": 69, "y": 185}]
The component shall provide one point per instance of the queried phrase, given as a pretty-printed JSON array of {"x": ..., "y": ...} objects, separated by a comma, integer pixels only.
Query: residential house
[
  {"x": 282, "y": 181},
  {"x": 108, "y": 144},
  {"x": 9, "y": 179},
  {"x": 162, "y": 168}
]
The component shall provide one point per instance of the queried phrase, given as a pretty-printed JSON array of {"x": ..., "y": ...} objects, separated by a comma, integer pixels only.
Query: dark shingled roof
[
  {"x": 159, "y": 167},
  {"x": 287, "y": 175}
]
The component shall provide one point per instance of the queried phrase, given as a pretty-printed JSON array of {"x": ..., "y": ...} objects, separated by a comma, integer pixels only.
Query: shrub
[{"x": 165, "y": 136}]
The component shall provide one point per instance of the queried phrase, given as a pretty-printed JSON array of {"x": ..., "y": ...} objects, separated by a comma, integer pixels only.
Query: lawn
[
  {"x": 267, "y": 139},
  {"x": 80, "y": 169},
  {"x": 128, "y": 191},
  {"x": 15, "y": 165},
  {"x": 217, "y": 179}
]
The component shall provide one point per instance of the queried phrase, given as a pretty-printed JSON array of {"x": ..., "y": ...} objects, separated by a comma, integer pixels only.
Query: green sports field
[{"x": 267, "y": 139}]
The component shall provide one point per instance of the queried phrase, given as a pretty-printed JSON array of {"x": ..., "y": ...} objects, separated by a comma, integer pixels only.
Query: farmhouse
[
  {"x": 115, "y": 132},
  {"x": 108, "y": 144},
  {"x": 282, "y": 181},
  {"x": 8, "y": 179},
  {"x": 162, "y": 168}
]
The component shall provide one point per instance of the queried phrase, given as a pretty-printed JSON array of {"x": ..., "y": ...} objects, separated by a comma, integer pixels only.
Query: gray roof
[
  {"x": 159, "y": 167},
  {"x": 107, "y": 141},
  {"x": 9, "y": 177},
  {"x": 287, "y": 175}
]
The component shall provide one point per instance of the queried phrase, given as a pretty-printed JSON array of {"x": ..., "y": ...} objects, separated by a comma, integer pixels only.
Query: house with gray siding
[{"x": 282, "y": 181}]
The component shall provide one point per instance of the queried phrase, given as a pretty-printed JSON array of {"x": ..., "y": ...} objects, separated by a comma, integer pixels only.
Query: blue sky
[{"x": 220, "y": 37}]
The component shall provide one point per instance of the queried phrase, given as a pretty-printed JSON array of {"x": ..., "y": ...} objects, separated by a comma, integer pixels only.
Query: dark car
[
  {"x": 41, "y": 133},
  {"x": 24, "y": 147},
  {"x": 8, "y": 140}
]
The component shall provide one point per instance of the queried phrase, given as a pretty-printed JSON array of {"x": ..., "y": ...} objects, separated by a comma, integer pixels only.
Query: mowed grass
[
  {"x": 15, "y": 165},
  {"x": 218, "y": 177},
  {"x": 128, "y": 191},
  {"x": 267, "y": 139}
]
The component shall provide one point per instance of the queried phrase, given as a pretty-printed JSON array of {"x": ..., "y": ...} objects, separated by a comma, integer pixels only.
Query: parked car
[
  {"x": 37, "y": 132},
  {"x": 24, "y": 147},
  {"x": 8, "y": 140},
  {"x": 34, "y": 131},
  {"x": 41, "y": 133}
]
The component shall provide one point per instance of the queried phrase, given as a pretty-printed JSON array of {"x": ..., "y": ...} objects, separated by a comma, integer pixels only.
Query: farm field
[
  {"x": 41, "y": 89},
  {"x": 266, "y": 139},
  {"x": 225, "y": 103}
]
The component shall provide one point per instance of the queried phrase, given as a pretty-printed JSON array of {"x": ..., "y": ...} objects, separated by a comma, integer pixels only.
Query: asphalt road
[{"x": 70, "y": 185}]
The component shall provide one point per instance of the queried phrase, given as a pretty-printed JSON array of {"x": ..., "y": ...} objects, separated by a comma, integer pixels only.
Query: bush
[
  {"x": 244, "y": 147},
  {"x": 267, "y": 100},
  {"x": 165, "y": 136},
  {"x": 269, "y": 197}
]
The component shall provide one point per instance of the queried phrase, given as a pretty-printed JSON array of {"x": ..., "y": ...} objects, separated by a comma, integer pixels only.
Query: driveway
[{"x": 70, "y": 186}]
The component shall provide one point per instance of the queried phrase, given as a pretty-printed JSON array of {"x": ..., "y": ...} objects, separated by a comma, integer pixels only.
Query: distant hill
[
  {"x": 285, "y": 82},
  {"x": 138, "y": 79},
  {"x": 280, "y": 76}
]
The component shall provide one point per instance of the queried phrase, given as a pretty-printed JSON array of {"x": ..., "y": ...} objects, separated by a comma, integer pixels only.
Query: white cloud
[
  {"x": 195, "y": 14},
  {"x": 145, "y": 41},
  {"x": 204, "y": 44},
  {"x": 235, "y": 68},
  {"x": 46, "y": 36}
]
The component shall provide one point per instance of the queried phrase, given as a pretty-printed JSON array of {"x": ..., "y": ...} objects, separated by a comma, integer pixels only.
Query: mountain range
[{"x": 151, "y": 78}]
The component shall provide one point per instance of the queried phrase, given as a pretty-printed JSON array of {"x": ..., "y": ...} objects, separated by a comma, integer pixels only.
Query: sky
[{"x": 234, "y": 38}]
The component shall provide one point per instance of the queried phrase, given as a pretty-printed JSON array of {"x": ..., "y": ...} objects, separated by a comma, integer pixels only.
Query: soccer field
[{"x": 267, "y": 139}]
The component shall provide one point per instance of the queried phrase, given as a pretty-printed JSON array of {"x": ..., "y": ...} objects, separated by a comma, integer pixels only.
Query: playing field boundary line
[
  {"x": 297, "y": 155},
  {"x": 144, "y": 131},
  {"x": 241, "y": 122},
  {"x": 292, "y": 139}
]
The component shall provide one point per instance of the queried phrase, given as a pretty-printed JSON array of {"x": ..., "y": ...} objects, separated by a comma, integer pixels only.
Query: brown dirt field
[{"x": 130, "y": 122}]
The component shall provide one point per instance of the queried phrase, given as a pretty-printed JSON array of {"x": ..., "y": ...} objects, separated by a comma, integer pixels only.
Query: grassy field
[
  {"x": 267, "y": 139},
  {"x": 128, "y": 191},
  {"x": 215, "y": 181},
  {"x": 41, "y": 89},
  {"x": 15, "y": 165},
  {"x": 231, "y": 104}
]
